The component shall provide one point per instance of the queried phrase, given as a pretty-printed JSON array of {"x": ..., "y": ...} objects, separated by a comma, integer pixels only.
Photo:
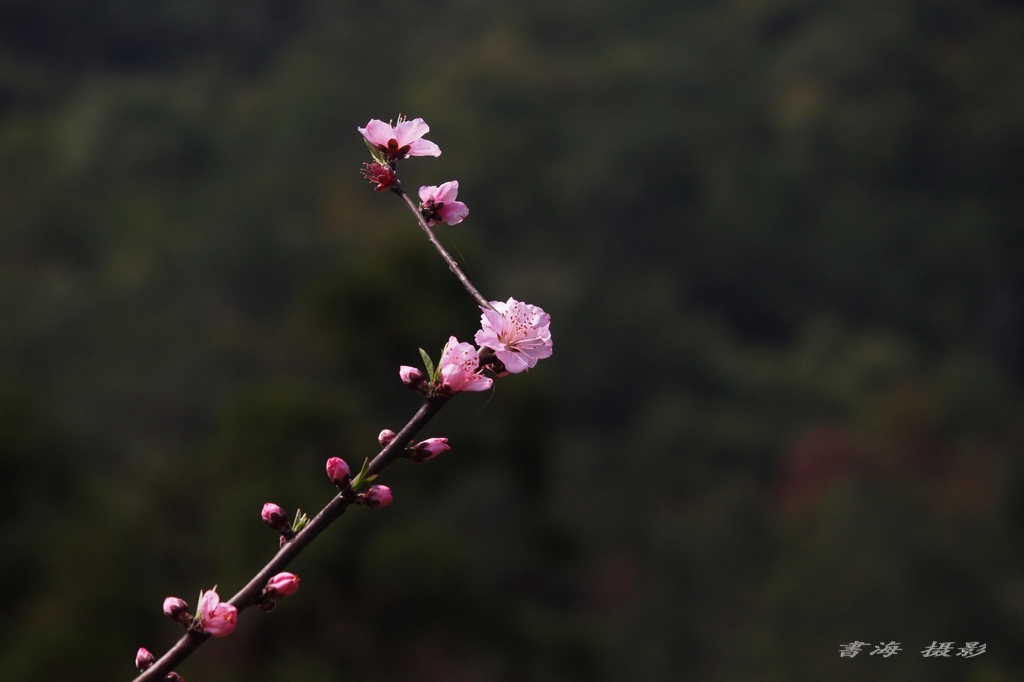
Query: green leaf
[
  {"x": 428, "y": 363},
  {"x": 300, "y": 522},
  {"x": 377, "y": 154},
  {"x": 361, "y": 479}
]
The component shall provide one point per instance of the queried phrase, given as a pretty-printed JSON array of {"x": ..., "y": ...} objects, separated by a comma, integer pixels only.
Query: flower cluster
[
  {"x": 391, "y": 143},
  {"x": 513, "y": 337}
]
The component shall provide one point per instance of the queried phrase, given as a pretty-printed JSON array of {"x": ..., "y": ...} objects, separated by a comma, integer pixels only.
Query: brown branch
[
  {"x": 452, "y": 265},
  {"x": 249, "y": 595}
]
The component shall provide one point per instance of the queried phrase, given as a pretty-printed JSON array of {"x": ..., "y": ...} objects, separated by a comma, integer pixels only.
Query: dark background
[{"x": 780, "y": 241}]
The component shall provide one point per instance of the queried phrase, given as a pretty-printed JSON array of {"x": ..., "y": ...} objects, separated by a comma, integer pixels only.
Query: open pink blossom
[
  {"x": 517, "y": 332},
  {"x": 400, "y": 141},
  {"x": 216, "y": 618},
  {"x": 460, "y": 366},
  {"x": 438, "y": 205}
]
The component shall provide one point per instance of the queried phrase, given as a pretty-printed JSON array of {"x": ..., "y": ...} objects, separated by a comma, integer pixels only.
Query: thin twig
[
  {"x": 452, "y": 265},
  {"x": 249, "y": 595}
]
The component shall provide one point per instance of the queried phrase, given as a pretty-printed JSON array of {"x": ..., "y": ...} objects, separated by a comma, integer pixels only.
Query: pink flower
[
  {"x": 437, "y": 204},
  {"x": 400, "y": 141},
  {"x": 216, "y": 618},
  {"x": 376, "y": 496},
  {"x": 517, "y": 332},
  {"x": 459, "y": 368},
  {"x": 428, "y": 449},
  {"x": 382, "y": 176},
  {"x": 144, "y": 659},
  {"x": 282, "y": 585},
  {"x": 338, "y": 471}
]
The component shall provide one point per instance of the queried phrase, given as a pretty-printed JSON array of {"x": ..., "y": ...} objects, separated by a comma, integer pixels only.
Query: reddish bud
[
  {"x": 386, "y": 437},
  {"x": 174, "y": 677},
  {"x": 427, "y": 449},
  {"x": 338, "y": 471},
  {"x": 376, "y": 496},
  {"x": 274, "y": 516},
  {"x": 412, "y": 377},
  {"x": 282, "y": 585},
  {"x": 175, "y": 608},
  {"x": 144, "y": 659}
]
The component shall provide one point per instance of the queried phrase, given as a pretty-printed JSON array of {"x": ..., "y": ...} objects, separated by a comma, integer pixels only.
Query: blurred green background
[{"x": 780, "y": 241}]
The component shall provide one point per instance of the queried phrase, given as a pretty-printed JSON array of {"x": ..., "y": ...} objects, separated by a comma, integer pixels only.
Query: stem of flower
[
  {"x": 249, "y": 595},
  {"x": 452, "y": 265}
]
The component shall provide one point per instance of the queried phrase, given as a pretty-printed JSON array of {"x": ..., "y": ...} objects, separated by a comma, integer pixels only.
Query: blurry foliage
[{"x": 780, "y": 241}]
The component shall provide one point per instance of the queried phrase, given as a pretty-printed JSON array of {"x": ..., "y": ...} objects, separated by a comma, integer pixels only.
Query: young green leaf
[{"x": 428, "y": 363}]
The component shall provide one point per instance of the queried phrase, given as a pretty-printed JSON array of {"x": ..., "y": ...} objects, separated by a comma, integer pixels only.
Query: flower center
[{"x": 393, "y": 151}]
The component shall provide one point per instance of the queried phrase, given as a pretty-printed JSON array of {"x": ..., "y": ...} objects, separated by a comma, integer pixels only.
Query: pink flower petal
[
  {"x": 408, "y": 132},
  {"x": 424, "y": 148},
  {"x": 454, "y": 213},
  {"x": 377, "y": 132}
]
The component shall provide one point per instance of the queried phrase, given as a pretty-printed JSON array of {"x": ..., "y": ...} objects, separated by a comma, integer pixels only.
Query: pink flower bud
[
  {"x": 338, "y": 471},
  {"x": 412, "y": 377},
  {"x": 216, "y": 618},
  {"x": 427, "y": 449},
  {"x": 282, "y": 585},
  {"x": 386, "y": 437},
  {"x": 176, "y": 609},
  {"x": 376, "y": 496},
  {"x": 144, "y": 659},
  {"x": 274, "y": 516},
  {"x": 173, "y": 677}
]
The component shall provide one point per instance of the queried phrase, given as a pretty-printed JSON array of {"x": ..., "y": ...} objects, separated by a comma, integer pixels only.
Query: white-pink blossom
[
  {"x": 460, "y": 365},
  {"x": 517, "y": 332},
  {"x": 400, "y": 141},
  {"x": 437, "y": 204},
  {"x": 216, "y": 618}
]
